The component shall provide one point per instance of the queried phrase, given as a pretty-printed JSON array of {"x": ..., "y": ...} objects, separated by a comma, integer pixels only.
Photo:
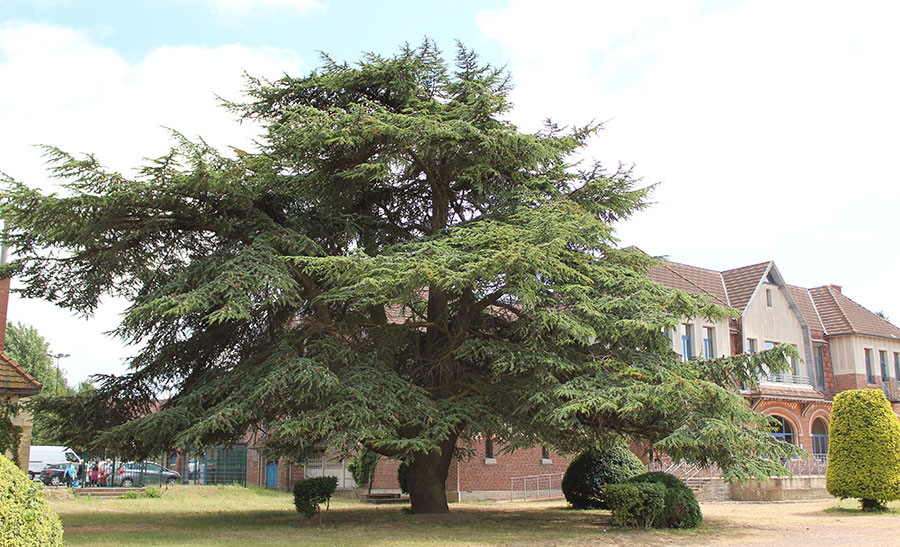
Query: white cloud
[
  {"x": 241, "y": 7},
  {"x": 772, "y": 125},
  {"x": 62, "y": 89}
]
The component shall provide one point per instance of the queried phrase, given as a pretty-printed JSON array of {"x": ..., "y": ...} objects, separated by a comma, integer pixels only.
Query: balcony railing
[{"x": 794, "y": 379}]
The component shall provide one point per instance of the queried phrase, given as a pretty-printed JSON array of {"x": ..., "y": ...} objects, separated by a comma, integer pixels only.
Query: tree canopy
[
  {"x": 26, "y": 346},
  {"x": 396, "y": 265}
]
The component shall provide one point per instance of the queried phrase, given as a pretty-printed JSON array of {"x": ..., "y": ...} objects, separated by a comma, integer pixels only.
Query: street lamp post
[{"x": 58, "y": 356}]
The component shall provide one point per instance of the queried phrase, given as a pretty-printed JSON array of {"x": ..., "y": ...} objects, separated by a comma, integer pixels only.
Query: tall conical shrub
[
  {"x": 26, "y": 518},
  {"x": 864, "y": 449}
]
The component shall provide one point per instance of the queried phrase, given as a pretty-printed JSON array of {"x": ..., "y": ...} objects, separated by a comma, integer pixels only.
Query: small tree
[{"x": 864, "y": 449}]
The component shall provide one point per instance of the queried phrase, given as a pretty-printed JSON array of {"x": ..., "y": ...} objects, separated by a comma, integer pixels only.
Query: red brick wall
[
  {"x": 801, "y": 418},
  {"x": 844, "y": 382},
  {"x": 830, "y": 383}
]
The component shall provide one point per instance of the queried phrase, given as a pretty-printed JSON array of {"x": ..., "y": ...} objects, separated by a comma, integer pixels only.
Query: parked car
[
  {"x": 42, "y": 456},
  {"x": 54, "y": 474},
  {"x": 141, "y": 473}
]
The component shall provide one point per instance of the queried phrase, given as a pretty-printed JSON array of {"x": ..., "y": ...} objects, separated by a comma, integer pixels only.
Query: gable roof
[
  {"x": 807, "y": 307},
  {"x": 14, "y": 380},
  {"x": 742, "y": 283},
  {"x": 841, "y": 315},
  {"x": 690, "y": 279},
  {"x": 825, "y": 309}
]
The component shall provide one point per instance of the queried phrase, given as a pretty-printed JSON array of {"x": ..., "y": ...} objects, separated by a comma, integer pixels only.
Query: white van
[{"x": 42, "y": 456}]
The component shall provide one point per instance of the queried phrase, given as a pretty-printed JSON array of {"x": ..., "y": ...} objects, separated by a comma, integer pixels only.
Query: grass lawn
[{"x": 198, "y": 515}]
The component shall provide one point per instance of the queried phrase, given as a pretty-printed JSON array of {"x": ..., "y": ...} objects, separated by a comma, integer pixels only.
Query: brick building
[{"x": 843, "y": 345}]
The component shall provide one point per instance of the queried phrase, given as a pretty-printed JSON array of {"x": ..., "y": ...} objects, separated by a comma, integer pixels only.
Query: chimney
[{"x": 835, "y": 287}]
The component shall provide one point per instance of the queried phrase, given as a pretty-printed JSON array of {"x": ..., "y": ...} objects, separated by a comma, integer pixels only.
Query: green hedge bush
[
  {"x": 681, "y": 507},
  {"x": 26, "y": 518},
  {"x": 589, "y": 473},
  {"x": 309, "y": 493},
  {"x": 635, "y": 504},
  {"x": 863, "y": 449}
]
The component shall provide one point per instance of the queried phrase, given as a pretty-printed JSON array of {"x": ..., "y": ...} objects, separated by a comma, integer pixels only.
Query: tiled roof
[
  {"x": 690, "y": 279},
  {"x": 742, "y": 282},
  {"x": 825, "y": 309},
  {"x": 15, "y": 380},
  {"x": 804, "y": 301},
  {"x": 841, "y": 315}
]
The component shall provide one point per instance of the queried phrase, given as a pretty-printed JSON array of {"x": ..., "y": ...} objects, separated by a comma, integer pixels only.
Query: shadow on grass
[{"x": 359, "y": 525}]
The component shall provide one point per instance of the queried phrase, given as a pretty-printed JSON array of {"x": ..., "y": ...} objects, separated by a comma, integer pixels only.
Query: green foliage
[
  {"x": 10, "y": 434},
  {"x": 588, "y": 475},
  {"x": 149, "y": 492},
  {"x": 637, "y": 505},
  {"x": 26, "y": 518},
  {"x": 29, "y": 349},
  {"x": 309, "y": 493},
  {"x": 396, "y": 264},
  {"x": 864, "y": 448},
  {"x": 362, "y": 467},
  {"x": 681, "y": 507}
]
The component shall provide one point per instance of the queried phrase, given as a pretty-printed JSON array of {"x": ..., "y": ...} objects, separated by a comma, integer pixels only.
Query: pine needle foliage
[{"x": 396, "y": 265}]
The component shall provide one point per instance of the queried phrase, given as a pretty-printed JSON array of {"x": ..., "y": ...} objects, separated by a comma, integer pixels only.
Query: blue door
[{"x": 272, "y": 475}]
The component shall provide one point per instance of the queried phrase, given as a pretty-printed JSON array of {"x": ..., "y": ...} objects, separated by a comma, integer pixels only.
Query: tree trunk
[{"x": 426, "y": 478}]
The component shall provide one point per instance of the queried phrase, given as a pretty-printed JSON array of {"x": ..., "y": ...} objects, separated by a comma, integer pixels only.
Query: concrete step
[{"x": 384, "y": 498}]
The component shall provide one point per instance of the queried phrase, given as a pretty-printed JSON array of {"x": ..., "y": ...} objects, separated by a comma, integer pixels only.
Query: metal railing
[
  {"x": 794, "y": 379},
  {"x": 535, "y": 487},
  {"x": 814, "y": 466}
]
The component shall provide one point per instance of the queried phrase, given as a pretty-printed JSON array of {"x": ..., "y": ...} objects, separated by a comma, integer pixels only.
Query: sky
[{"x": 770, "y": 128}]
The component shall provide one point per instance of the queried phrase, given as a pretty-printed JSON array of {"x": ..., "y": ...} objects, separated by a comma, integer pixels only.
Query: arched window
[
  {"x": 820, "y": 438},
  {"x": 784, "y": 431}
]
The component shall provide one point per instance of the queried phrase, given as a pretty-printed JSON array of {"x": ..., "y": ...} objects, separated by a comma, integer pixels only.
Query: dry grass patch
[{"x": 196, "y": 515}]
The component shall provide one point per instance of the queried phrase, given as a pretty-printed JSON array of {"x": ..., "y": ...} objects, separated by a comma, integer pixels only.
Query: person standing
[{"x": 70, "y": 474}]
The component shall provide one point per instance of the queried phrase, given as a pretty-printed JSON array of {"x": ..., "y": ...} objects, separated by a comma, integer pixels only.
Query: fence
[
  {"x": 534, "y": 487},
  {"x": 219, "y": 465},
  {"x": 324, "y": 467}
]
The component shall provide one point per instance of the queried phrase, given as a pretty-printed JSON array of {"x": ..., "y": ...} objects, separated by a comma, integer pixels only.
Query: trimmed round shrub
[
  {"x": 863, "y": 449},
  {"x": 681, "y": 508},
  {"x": 635, "y": 504},
  {"x": 26, "y": 518},
  {"x": 589, "y": 473}
]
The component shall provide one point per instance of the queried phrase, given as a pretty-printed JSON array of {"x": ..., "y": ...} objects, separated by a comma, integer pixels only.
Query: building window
[
  {"x": 709, "y": 342},
  {"x": 819, "y": 356},
  {"x": 795, "y": 364},
  {"x": 820, "y": 439},
  {"x": 897, "y": 366},
  {"x": 751, "y": 345},
  {"x": 687, "y": 343},
  {"x": 783, "y": 430},
  {"x": 870, "y": 378},
  {"x": 770, "y": 345},
  {"x": 769, "y": 297},
  {"x": 882, "y": 360},
  {"x": 488, "y": 448}
]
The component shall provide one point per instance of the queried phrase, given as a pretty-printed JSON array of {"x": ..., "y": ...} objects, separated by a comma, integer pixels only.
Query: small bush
[
  {"x": 635, "y": 504},
  {"x": 309, "y": 493},
  {"x": 152, "y": 492},
  {"x": 132, "y": 495},
  {"x": 863, "y": 449},
  {"x": 26, "y": 518},
  {"x": 590, "y": 472},
  {"x": 681, "y": 507}
]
